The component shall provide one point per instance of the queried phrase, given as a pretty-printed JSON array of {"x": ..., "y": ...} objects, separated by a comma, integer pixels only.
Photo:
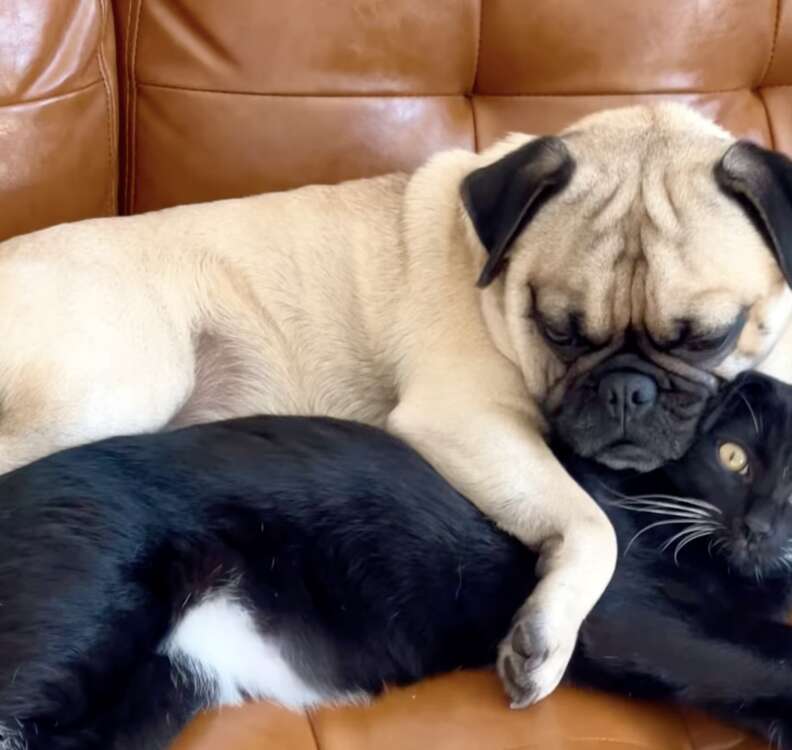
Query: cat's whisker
[
  {"x": 692, "y": 528},
  {"x": 651, "y": 526},
  {"x": 775, "y": 735},
  {"x": 661, "y": 511},
  {"x": 656, "y": 505},
  {"x": 688, "y": 502},
  {"x": 784, "y": 563},
  {"x": 655, "y": 525},
  {"x": 720, "y": 542},
  {"x": 750, "y": 409},
  {"x": 660, "y": 503},
  {"x": 695, "y": 501},
  {"x": 687, "y": 540}
]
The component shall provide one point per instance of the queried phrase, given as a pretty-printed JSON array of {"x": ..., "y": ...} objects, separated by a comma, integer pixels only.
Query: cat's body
[{"x": 313, "y": 561}]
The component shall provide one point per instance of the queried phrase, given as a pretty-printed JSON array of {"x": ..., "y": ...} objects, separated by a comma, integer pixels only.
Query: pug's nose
[{"x": 627, "y": 395}]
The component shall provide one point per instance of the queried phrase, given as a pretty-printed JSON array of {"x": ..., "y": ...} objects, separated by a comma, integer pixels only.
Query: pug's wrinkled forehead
[
  {"x": 650, "y": 222},
  {"x": 660, "y": 246}
]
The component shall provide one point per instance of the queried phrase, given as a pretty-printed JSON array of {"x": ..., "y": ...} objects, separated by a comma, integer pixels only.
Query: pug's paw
[{"x": 532, "y": 659}]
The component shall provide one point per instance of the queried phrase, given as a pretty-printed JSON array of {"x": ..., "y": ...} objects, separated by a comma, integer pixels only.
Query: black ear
[
  {"x": 503, "y": 197},
  {"x": 761, "y": 180},
  {"x": 749, "y": 387}
]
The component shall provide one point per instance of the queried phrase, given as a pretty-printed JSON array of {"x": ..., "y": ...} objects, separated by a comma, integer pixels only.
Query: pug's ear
[
  {"x": 761, "y": 181},
  {"x": 503, "y": 197}
]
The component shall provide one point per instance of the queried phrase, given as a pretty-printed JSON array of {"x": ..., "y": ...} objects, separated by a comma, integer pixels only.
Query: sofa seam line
[
  {"x": 53, "y": 97},
  {"x": 768, "y": 119},
  {"x": 306, "y": 95},
  {"x": 109, "y": 109},
  {"x": 644, "y": 92},
  {"x": 476, "y": 61},
  {"x": 686, "y": 729},
  {"x": 476, "y": 64},
  {"x": 132, "y": 110},
  {"x": 128, "y": 97},
  {"x": 774, "y": 44},
  {"x": 312, "y": 728},
  {"x": 452, "y": 95},
  {"x": 472, "y": 106}
]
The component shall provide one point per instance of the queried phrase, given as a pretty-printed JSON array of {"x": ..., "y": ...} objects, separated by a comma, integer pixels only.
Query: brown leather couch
[{"x": 132, "y": 105}]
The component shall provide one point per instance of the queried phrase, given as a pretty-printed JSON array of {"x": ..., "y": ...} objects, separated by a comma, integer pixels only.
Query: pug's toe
[{"x": 532, "y": 661}]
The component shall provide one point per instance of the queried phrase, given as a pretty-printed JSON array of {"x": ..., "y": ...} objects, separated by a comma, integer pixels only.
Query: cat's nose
[{"x": 758, "y": 525}]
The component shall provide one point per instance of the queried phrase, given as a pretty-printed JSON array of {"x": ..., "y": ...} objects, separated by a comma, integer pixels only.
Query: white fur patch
[{"x": 220, "y": 641}]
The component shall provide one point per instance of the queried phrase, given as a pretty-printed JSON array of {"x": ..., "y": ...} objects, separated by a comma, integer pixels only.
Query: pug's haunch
[{"x": 601, "y": 280}]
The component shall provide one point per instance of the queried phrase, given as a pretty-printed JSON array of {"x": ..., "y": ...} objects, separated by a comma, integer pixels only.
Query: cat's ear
[{"x": 749, "y": 391}]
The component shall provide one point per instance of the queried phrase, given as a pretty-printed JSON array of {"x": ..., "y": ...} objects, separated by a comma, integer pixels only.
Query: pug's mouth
[
  {"x": 622, "y": 455},
  {"x": 630, "y": 414}
]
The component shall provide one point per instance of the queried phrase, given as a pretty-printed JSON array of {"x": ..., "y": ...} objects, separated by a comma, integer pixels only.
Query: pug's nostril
[{"x": 644, "y": 390}]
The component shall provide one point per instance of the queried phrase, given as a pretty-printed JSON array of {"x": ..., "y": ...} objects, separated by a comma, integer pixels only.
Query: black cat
[{"x": 313, "y": 560}]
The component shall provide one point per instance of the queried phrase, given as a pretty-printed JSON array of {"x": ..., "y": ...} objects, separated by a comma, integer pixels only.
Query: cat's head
[{"x": 741, "y": 466}]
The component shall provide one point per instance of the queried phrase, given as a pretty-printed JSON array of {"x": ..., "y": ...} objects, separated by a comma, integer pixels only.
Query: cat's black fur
[{"x": 367, "y": 568}]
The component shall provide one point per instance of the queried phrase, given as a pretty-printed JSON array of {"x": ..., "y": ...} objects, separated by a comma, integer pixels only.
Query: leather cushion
[
  {"x": 275, "y": 95},
  {"x": 466, "y": 711},
  {"x": 58, "y": 113}
]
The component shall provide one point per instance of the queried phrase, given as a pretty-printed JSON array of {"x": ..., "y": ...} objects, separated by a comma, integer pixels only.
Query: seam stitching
[
  {"x": 452, "y": 94},
  {"x": 112, "y": 198},
  {"x": 770, "y": 129},
  {"x": 311, "y": 726},
  {"x": 306, "y": 95},
  {"x": 132, "y": 110},
  {"x": 472, "y": 103},
  {"x": 475, "y": 76},
  {"x": 52, "y": 97},
  {"x": 774, "y": 44},
  {"x": 472, "y": 87},
  {"x": 686, "y": 728},
  {"x": 128, "y": 101}
]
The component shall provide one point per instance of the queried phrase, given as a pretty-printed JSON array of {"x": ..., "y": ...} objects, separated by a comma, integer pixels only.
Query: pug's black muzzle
[{"x": 631, "y": 413}]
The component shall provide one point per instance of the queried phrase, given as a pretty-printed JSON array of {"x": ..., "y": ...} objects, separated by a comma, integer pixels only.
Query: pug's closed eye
[
  {"x": 557, "y": 336},
  {"x": 565, "y": 338},
  {"x": 694, "y": 344},
  {"x": 707, "y": 342}
]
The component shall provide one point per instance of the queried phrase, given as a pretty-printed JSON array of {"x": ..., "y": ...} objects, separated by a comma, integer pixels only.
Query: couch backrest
[
  {"x": 58, "y": 112},
  {"x": 227, "y": 97}
]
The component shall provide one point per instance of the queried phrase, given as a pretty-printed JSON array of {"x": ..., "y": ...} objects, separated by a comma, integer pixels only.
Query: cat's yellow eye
[{"x": 734, "y": 458}]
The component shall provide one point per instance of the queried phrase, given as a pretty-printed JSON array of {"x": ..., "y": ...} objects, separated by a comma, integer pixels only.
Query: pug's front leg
[{"x": 497, "y": 457}]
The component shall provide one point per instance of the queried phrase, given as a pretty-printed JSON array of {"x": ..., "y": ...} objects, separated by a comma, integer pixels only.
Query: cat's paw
[{"x": 532, "y": 658}]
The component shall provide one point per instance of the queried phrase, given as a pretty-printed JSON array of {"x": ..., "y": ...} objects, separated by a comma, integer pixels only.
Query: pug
[{"x": 598, "y": 283}]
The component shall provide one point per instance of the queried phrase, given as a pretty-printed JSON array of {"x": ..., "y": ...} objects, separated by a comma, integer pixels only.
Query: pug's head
[{"x": 629, "y": 265}]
